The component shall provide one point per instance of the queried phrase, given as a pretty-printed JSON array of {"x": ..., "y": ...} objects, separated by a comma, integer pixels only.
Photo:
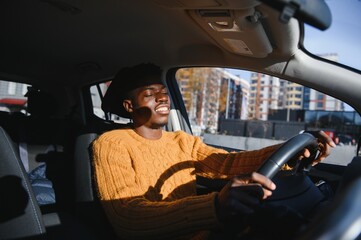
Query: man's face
[{"x": 150, "y": 106}]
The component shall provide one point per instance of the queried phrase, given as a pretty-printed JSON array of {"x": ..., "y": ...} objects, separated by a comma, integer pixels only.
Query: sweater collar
[{"x": 139, "y": 138}]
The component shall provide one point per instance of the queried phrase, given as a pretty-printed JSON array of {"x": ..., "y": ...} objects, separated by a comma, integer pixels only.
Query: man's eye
[{"x": 148, "y": 93}]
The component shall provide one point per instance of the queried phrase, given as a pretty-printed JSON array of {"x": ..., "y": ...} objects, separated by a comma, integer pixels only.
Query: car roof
[
  {"x": 73, "y": 43},
  {"x": 61, "y": 40}
]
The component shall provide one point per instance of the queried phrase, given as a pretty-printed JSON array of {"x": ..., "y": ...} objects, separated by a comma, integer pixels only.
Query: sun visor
[
  {"x": 239, "y": 31},
  {"x": 207, "y": 4}
]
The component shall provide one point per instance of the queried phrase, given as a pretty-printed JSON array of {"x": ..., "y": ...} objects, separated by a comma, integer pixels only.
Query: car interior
[{"x": 64, "y": 54}]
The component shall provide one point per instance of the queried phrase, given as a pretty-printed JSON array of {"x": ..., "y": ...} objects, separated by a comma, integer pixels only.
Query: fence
[{"x": 279, "y": 130}]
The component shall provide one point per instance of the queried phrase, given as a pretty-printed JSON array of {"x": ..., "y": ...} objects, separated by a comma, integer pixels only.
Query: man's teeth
[{"x": 162, "y": 109}]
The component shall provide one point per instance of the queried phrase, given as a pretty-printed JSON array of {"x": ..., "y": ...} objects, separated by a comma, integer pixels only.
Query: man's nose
[{"x": 162, "y": 97}]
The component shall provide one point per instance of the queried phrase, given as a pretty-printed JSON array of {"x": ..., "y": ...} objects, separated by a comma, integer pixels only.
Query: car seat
[
  {"x": 88, "y": 207},
  {"x": 21, "y": 217},
  {"x": 20, "y": 214},
  {"x": 49, "y": 137}
]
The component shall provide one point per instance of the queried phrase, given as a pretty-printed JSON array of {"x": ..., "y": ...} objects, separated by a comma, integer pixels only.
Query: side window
[
  {"x": 97, "y": 92},
  {"x": 248, "y": 110},
  {"x": 12, "y": 97}
]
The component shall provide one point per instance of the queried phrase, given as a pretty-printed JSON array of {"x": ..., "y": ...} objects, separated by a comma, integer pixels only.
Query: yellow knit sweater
[{"x": 147, "y": 187}]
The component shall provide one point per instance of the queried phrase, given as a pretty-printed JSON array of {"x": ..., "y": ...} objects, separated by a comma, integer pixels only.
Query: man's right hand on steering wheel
[{"x": 241, "y": 196}]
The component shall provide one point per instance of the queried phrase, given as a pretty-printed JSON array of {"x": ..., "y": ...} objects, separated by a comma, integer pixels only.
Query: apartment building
[
  {"x": 211, "y": 94},
  {"x": 268, "y": 94}
]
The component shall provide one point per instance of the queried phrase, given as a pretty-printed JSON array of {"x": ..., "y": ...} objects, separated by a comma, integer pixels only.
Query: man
[{"x": 146, "y": 176}]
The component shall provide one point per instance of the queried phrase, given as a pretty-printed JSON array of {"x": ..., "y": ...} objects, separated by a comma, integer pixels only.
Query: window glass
[
  {"x": 349, "y": 118},
  {"x": 248, "y": 105},
  {"x": 11, "y": 88},
  {"x": 343, "y": 36},
  {"x": 96, "y": 98},
  {"x": 12, "y": 96},
  {"x": 97, "y": 91},
  {"x": 357, "y": 119}
]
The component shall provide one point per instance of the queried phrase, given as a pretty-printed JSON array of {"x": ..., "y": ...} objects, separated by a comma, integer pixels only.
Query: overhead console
[
  {"x": 236, "y": 26},
  {"x": 239, "y": 31}
]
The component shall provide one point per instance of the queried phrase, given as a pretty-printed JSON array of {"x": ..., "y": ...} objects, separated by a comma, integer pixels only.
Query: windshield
[{"x": 340, "y": 42}]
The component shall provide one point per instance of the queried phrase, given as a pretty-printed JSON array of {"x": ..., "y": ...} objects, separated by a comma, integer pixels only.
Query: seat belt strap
[{"x": 23, "y": 150}]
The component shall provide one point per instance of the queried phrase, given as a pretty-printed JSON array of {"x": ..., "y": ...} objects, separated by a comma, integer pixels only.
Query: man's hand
[
  {"x": 325, "y": 143},
  {"x": 239, "y": 198}
]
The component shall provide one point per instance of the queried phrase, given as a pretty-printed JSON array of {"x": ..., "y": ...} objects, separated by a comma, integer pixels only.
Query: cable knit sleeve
[
  {"x": 218, "y": 163},
  {"x": 131, "y": 213}
]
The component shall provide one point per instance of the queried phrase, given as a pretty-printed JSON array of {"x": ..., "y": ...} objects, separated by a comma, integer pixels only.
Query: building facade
[
  {"x": 269, "y": 94},
  {"x": 211, "y": 94},
  {"x": 12, "y": 96}
]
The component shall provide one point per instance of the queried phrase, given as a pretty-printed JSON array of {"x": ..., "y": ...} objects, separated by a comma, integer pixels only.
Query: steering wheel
[
  {"x": 327, "y": 224},
  {"x": 285, "y": 153},
  {"x": 295, "y": 195}
]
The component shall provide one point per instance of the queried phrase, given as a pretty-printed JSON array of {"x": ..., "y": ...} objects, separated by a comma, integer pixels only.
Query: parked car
[{"x": 58, "y": 58}]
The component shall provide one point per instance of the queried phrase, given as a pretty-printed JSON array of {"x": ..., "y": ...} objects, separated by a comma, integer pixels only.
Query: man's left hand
[{"x": 325, "y": 143}]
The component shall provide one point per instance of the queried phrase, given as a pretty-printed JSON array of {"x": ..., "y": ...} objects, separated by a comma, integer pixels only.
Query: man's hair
[{"x": 125, "y": 81}]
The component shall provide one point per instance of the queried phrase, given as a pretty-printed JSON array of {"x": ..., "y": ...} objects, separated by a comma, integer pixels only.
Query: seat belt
[{"x": 23, "y": 150}]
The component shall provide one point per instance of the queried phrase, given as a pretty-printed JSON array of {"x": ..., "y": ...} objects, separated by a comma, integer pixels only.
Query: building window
[{"x": 11, "y": 88}]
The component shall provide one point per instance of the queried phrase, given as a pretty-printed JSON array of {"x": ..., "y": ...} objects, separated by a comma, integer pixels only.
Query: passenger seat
[
  {"x": 20, "y": 214},
  {"x": 88, "y": 206},
  {"x": 21, "y": 217}
]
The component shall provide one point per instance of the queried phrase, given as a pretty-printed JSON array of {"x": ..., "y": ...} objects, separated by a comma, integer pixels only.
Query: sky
[{"x": 344, "y": 35}]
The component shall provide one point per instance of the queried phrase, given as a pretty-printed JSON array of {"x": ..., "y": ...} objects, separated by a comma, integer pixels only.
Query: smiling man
[
  {"x": 146, "y": 176},
  {"x": 150, "y": 108}
]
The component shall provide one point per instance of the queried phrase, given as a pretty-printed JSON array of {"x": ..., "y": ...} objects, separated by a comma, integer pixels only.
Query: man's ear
[{"x": 128, "y": 106}]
